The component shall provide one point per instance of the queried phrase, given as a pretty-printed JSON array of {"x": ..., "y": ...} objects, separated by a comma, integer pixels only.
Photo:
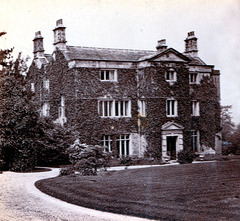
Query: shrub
[
  {"x": 86, "y": 159},
  {"x": 52, "y": 143},
  {"x": 185, "y": 157},
  {"x": 126, "y": 161},
  {"x": 66, "y": 171}
]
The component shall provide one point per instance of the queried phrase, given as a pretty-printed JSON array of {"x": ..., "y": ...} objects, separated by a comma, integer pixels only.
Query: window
[
  {"x": 142, "y": 108},
  {"x": 112, "y": 108},
  {"x": 171, "y": 76},
  {"x": 32, "y": 87},
  {"x": 171, "y": 108},
  {"x": 61, "y": 111},
  {"x": 106, "y": 108},
  {"x": 123, "y": 145},
  {"x": 107, "y": 143},
  {"x": 193, "y": 78},
  {"x": 46, "y": 84},
  {"x": 195, "y": 140},
  {"x": 108, "y": 75},
  {"x": 122, "y": 108},
  {"x": 46, "y": 110},
  {"x": 195, "y": 108}
]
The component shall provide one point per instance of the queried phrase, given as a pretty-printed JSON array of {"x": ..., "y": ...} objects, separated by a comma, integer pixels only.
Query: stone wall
[{"x": 81, "y": 87}]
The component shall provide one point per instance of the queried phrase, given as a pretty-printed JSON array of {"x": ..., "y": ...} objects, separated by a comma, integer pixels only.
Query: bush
[
  {"x": 86, "y": 159},
  {"x": 66, "y": 171},
  {"x": 185, "y": 157},
  {"x": 52, "y": 143},
  {"x": 126, "y": 161}
]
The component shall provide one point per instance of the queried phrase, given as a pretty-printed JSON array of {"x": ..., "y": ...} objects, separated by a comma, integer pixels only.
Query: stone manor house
[{"x": 134, "y": 102}]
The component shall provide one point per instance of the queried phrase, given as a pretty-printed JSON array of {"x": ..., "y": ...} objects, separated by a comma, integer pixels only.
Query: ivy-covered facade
[{"x": 134, "y": 102}]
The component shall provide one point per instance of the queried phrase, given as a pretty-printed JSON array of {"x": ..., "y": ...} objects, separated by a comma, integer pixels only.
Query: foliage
[
  {"x": 227, "y": 124},
  {"x": 66, "y": 171},
  {"x": 126, "y": 161},
  {"x": 235, "y": 141},
  {"x": 185, "y": 156},
  {"x": 86, "y": 159},
  {"x": 18, "y": 117},
  {"x": 53, "y": 141}
]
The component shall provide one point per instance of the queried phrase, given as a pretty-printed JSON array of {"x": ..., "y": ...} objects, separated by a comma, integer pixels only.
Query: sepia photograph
[{"x": 119, "y": 110}]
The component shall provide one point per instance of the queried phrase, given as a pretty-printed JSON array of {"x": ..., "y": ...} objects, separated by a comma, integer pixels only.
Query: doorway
[{"x": 171, "y": 147}]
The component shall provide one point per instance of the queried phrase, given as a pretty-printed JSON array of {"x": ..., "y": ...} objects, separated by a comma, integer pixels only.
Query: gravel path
[{"x": 21, "y": 200}]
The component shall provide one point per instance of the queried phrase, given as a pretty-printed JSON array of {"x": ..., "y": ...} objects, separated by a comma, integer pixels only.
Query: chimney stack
[
  {"x": 38, "y": 49},
  {"x": 191, "y": 45},
  {"x": 161, "y": 45},
  {"x": 59, "y": 36}
]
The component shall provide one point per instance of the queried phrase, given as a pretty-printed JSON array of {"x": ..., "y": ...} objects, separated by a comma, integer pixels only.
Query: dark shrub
[
  {"x": 185, "y": 156},
  {"x": 126, "y": 161},
  {"x": 66, "y": 171},
  {"x": 86, "y": 159}
]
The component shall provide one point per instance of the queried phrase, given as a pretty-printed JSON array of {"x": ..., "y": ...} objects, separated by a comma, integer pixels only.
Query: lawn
[{"x": 207, "y": 191}]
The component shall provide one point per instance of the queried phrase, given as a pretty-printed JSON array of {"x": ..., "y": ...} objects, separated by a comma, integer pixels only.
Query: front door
[{"x": 171, "y": 147}]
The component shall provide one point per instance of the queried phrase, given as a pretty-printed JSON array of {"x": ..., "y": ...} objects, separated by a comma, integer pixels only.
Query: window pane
[
  {"x": 127, "y": 147},
  {"x": 110, "y": 108},
  {"x": 173, "y": 109},
  {"x": 167, "y": 75},
  {"x": 121, "y": 108},
  {"x": 102, "y": 75},
  {"x": 105, "y": 108},
  {"x": 168, "y": 107},
  {"x": 107, "y": 74},
  {"x": 122, "y": 147},
  {"x": 126, "y": 108},
  {"x": 116, "y": 109},
  {"x": 111, "y": 75}
]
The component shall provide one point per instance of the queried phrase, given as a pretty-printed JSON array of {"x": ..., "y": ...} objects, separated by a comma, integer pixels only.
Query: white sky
[{"x": 136, "y": 24}]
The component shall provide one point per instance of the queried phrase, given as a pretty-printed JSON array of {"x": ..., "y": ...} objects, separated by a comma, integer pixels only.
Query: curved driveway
[{"x": 21, "y": 200}]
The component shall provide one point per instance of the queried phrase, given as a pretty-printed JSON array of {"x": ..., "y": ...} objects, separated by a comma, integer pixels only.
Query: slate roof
[
  {"x": 48, "y": 57},
  {"x": 105, "y": 54},
  {"x": 195, "y": 60},
  {"x": 113, "y": 54}
]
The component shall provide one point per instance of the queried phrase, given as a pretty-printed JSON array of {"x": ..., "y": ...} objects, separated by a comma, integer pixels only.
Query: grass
[{"x": 207, "y": 191}]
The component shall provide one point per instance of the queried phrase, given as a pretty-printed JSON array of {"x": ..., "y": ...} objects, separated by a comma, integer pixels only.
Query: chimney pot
[
  {"x": 161, "y": 45},
  {"x": 191, "y": 44},
  {"x": 59, "y": 22},
  {"x": 38, "y": 34},
  {"x": 59, "y": 36},
  {"x": 38, "y": 49}
]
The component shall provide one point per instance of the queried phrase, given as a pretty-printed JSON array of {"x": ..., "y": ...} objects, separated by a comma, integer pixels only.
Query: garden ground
[
  {"x": 206, "y": 191},
  {"x": 20, "y": 200}
]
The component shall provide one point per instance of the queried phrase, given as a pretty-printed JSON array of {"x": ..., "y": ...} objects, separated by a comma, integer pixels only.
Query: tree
[
  {"x": 18, "y": 117},
  {"x": 227, "y": 124},
  {"x": 235, "y": 140},
  {"x": 53, "y": 141}
]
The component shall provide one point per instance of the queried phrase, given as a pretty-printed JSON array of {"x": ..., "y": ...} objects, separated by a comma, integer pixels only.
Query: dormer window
[
  {"x": 171, "y": 76},
  {"x": 193, "y": 78},
  {"x": 108, "y": 75}
]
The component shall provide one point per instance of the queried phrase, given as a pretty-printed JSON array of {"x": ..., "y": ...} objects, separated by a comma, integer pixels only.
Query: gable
[
  {"x": 170, "y": 55},
  {"x": 172, "y": 126}
]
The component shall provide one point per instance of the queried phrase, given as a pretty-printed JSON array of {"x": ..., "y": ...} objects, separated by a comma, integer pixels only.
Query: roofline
[
  {"x": 163, "y": 52},
  {"x": 79, "y": 59},
  {"x": 117, "y": 49},
  {"x": 204, "y": 65}
]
